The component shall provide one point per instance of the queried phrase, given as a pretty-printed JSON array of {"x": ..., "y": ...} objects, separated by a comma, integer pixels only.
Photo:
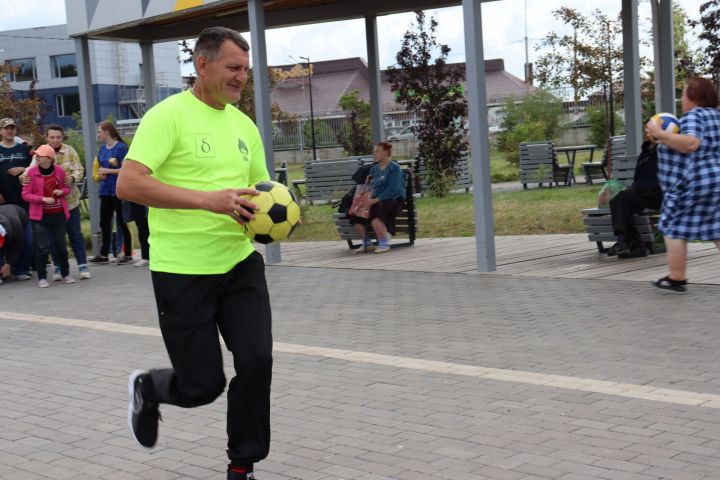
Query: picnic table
[{"x": 571, "y": 153}]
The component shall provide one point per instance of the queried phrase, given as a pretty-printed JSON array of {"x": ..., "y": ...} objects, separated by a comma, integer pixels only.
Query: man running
[{"x": 192, "y": 161}]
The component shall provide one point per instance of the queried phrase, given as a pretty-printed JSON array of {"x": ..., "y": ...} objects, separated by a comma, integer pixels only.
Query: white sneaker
[
  {"x": 111, "y": 258},
  {"x": 43, "y": 283},
  {"x": 56, "y": 275},
  {"x": 21, "y": 278},
  {"x": 84, "y": 272},
  {"x": 141, "y": 263},
  {"x": 382, "y": 248},
  {"x": 68, "y": 279}
]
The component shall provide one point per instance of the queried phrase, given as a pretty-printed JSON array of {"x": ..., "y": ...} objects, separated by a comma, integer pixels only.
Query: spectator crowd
[{"x": 40, "y": 206}]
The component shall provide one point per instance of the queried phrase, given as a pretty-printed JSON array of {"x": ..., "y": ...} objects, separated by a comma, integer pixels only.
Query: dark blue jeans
[
  {"x": 52, "y": 225},
  {"x": 77, "y": 241}
]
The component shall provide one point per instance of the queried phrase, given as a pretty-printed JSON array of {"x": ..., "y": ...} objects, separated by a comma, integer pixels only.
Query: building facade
[{"x": 46, "y": 56}]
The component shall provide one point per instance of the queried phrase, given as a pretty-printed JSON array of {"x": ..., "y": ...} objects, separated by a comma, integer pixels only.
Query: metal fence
[{"x": 297, "y": 134}]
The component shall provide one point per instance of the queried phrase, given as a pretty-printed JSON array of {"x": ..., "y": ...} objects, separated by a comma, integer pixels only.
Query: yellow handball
[{"x": 278, "y": 213}]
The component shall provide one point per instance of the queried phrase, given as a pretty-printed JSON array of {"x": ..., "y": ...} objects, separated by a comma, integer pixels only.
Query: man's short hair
[
  {"x": 211, "y": 39},
  {"x": 54, "y": 126}
]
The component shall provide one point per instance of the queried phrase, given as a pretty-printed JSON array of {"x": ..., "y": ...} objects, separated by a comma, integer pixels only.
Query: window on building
[
  {"x": 64, "y": 66},
  {"x": 23, "y": 70},
  {"x": 66, "y": 105}
]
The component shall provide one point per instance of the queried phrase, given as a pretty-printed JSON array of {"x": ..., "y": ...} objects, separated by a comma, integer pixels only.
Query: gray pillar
[
  {"x": 664, "y": 55},
  {"x": 479, "y": 136},
  {"x": 261, "y": 80},
  {"x": 148, "y": 73},
  {"x": 631, "y": 62},
  {"x": 87, "y": 107},
  {"x": 376, "y": 105}
]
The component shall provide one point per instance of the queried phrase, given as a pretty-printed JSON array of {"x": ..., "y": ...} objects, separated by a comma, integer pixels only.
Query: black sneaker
[
  {"x": 124, "y": 260},
  {"x": 667, "y": 283},
  {"x": 99, "y": 259},
  {"x": 634, "y": 252},
  {"x": 239, "y": 476},
  {"x": 616, "y": 249},
  {"x": 143, "y": 416}
]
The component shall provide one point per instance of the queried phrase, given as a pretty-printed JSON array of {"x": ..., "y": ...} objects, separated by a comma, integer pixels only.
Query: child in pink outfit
[{"x": 46, "y": 192}]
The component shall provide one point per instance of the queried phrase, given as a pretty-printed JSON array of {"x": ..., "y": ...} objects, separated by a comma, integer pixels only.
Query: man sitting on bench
[
  {"x": 388, "y": 192},
  {"x": 644, "y": 193}
]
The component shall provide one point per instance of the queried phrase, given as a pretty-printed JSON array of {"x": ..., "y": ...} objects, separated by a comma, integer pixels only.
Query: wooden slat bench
[
  {"x": 598, "y": 221},
  {"x": 405, "y": 223},
  {"x": 328, "y": 180},
  {"x": 463, "y": 180},
  {"x": 538, "y": 164}
]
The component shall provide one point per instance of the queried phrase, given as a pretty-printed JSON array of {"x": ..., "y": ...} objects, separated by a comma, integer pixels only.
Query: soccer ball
[
  {"x": 667, "y": 122},
  {"x": 278, "y": 214}
]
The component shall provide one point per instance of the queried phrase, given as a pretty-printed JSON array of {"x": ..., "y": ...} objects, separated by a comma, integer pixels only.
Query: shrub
[{"x": 536, "y": 118}]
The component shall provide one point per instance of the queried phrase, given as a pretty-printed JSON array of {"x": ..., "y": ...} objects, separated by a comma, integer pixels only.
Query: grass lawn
[{"x": 527, "y": 212}]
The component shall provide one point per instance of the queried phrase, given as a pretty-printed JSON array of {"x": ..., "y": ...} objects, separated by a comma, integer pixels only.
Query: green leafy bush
[
  {"x": 537, "y": 117},
  {"x": 597, "y": 121}
]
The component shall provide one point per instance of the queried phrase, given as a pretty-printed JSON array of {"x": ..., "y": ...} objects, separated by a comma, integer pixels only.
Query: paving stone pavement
[{"x": 63, "y": 406}]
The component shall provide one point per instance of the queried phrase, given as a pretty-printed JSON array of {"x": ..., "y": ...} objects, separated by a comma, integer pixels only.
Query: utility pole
[
  {"x": 312, "y": 115},
  {"x": 528, "y": 74},
  {"x": 611, "y": 98}
]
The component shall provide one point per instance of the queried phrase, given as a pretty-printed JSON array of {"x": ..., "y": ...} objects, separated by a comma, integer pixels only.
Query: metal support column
[
  {"x": 631, "y": 61},
  {"x": 376, "y": 106},
  {"x": 664, "y": 55},
  {"x": 87, "y": 107},
  {"x": 148, "y": 73},
  {"x": 263, "y": 118},
  {"x": 479, "y": 136}
]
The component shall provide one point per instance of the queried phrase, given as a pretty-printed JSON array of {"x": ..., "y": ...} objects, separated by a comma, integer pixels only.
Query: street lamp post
[{"x": 312, "y": 115}]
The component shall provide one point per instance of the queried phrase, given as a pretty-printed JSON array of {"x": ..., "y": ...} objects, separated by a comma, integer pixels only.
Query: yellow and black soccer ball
[{"x": 278, "y": 213}]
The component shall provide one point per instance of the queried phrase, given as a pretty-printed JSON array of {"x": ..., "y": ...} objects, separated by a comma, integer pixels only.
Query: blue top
[
  {"x": 387, "y": 183},
  {"x": 110, "y": 158}
]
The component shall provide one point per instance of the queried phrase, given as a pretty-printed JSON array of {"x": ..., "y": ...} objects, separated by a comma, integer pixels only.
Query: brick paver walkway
[{"x": 382, "y": 375}]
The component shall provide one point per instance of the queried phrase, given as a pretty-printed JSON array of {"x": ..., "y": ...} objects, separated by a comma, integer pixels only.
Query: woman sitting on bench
[{"x": 386, "y": 200}]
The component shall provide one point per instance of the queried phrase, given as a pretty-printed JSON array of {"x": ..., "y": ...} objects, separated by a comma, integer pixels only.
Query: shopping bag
[
  {"x": 608, "y": 191},
  {"x": 360, "y": 205}
]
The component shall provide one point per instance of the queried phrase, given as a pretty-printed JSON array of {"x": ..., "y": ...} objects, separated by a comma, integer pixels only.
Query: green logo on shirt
[
  {"x": 243, "y": 149},
  {"x": 204, "y": 145}
]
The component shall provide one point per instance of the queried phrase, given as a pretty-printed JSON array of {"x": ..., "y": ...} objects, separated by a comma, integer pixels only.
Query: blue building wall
[{"x": 106, "y": 103}]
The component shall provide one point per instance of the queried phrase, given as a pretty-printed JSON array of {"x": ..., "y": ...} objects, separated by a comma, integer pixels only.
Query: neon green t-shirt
[{"x": 187, "y": 143}]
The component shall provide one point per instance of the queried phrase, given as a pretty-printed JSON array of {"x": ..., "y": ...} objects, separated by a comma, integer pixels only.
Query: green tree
[
  {"x": 26, "y": 109},
  {"x": 434, "y": 93},
  {"x": 355, "y": 137},
  {"x": 710, "y": 23},
  {"x": 598, "y": 128},
  {"x": 584, "y": 60},
  {"x": 537, "y": 117}
]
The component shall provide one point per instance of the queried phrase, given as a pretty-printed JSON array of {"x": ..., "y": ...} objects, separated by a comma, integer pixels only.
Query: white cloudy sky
[{"x": 503, "y": 25}]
